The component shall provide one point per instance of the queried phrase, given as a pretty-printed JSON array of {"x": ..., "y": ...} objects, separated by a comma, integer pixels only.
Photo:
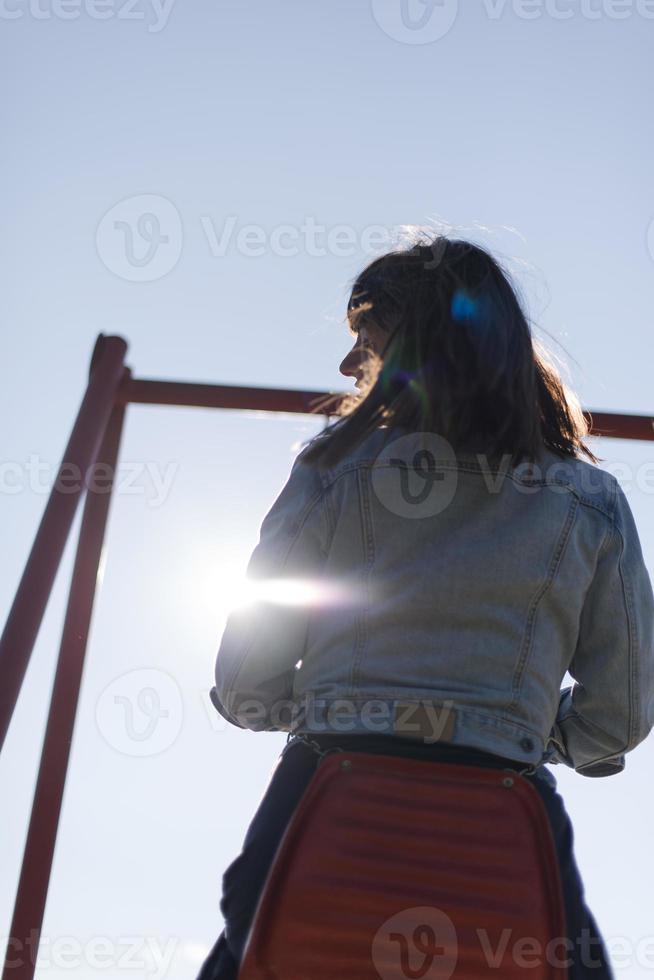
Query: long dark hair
[{"x": 459, "y": 360}]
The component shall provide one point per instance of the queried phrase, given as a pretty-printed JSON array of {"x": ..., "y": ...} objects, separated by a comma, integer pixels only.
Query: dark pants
[{"x": 245, "y": 877}]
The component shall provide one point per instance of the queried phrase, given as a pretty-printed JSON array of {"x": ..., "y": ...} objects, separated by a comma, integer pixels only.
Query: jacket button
[{"x": 527, "y": 744}]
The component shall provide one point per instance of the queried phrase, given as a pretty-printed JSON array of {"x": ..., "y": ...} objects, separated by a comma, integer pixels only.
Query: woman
[{"x": 438, "y": 558}]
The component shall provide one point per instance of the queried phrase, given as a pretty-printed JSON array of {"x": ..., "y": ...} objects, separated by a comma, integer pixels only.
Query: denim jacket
[{"x": 429, "y": 593}]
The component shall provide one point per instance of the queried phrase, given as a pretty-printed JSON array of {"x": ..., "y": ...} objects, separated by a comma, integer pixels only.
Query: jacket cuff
[
  {"x": 221, "y": 709},
  {"x": 603, "y": 767}
]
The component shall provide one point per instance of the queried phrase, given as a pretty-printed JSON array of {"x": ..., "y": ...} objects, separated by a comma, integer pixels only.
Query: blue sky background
[{"x": 517, "y": 124}]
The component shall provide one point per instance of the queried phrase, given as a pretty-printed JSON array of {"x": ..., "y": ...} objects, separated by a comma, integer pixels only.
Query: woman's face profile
[{"x": 370, "y": 340}]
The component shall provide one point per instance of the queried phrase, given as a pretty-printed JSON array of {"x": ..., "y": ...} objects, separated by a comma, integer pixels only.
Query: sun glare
[
  {"x": 288, "y": 592},
  {"x": 217, "y": 584}
]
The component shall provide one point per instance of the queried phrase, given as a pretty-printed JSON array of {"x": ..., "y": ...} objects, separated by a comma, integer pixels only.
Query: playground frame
[{"x": 95, "y": 439}]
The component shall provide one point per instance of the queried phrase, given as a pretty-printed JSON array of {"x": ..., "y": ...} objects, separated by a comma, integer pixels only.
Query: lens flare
[{"x": 291, "y": 592}]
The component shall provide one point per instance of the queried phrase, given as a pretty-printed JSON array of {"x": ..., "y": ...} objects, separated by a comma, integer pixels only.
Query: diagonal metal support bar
[
  {"x": 22, "y": 627},
  {"x": 29, "y": 908}
]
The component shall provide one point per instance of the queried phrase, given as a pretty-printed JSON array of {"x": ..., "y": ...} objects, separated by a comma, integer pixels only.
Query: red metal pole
[
  {"x": 614, "y": 425},
  {"x": 29, "y": 908},
  {"x": 618, "y": 425},
  {"x": 17, "y": 641},
  {"x": 152, "y": 392}
]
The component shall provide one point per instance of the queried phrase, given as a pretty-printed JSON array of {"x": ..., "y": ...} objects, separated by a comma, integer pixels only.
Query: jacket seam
[
  {"x": 463, "y": 709},
  {"x": 318, "y": 497},
  {"x": 476, "y": 469},
  {"x": 361, "y": 623},
  {"x": 632, "y": 637},
  {"x": 527, "y": 642},
  {"x": 632, "y": 647}
]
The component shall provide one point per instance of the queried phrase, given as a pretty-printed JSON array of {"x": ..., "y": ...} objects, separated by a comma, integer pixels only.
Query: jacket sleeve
[
  {"x": 262, "y": 643},
  {"x": 610, "y": 708}
]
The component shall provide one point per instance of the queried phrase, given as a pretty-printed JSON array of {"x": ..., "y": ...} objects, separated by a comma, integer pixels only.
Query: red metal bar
[
  {"x": 231, "y": 396},
  {"x": 29, "y": 908},
  {"x": 615, "y": 425},
  {"x": 22, "y": 627}
]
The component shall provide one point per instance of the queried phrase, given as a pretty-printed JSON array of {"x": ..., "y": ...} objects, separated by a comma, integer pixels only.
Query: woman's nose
[{"x": 350, "y": 366}]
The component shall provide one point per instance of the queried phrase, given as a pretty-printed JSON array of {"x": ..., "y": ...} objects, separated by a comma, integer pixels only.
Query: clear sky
[{"x": 205, "y": 180}]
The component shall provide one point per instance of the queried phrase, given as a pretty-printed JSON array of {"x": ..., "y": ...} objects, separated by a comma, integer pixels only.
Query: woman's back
[
  {"x": 450, "y": 596},
  {"x": 464, "y": 554}
]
